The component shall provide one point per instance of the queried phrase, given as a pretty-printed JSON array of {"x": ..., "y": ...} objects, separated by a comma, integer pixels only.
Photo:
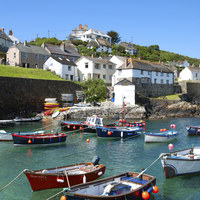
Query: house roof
[
  {"x": 64, "y": 61},
  {"x": 54, "y": 49},
  {"x": 127, "y": 45},
  {"x": 145, "y": 65},
  {"x": 4, "y": 36},
  {"x": 97, "y": 60},
  {"x": 96, "y": 32},
  {"x": 93, "y": 43},
  {"x": 31, "y": 49},
  {"x": 70, "y": 49},
  {"x": 122, "y": 58},
  {"x": 103, "y": 42},
  {"x": 194, "y": 69},
  {"x": 124, "y": 82}
]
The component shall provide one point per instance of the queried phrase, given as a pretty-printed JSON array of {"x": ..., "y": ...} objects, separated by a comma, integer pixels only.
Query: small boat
[
  {"x": 55, "y": 114},
  {"x": 125, "y": 186},
  {"x": 40, "y": 139},
  {"x": 5, "y": 136},
  {"x": 7, "y": 122},
  {"x": 193, "y": 130},
  {"x": 122, "y": 122},
  {"x": 32, "y": 119},
  {"x": 120, "y": 132},
  {"x": 186, "y": 161},
  {"x": 65, "y": 176},
  {"x": 71, "y": 125},
  {"x": 162, "y": 136}
]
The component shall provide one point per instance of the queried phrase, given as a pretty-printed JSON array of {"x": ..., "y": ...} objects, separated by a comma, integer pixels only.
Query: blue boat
[
  {"x": 193, "y": 130},
  {"x": 118, "y": 132}
]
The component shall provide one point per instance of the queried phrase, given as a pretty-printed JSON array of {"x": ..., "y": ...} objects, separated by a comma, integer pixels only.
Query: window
[
  {"x": 66, "y": 76},
  {"x": 36, "y": 65},
  {"x": 36, "y": 57},
  {"x": 142, "y": 72},
  {"x": 72, "y": 59},
  {"x": 196, "y": 75},
  {"x": 25, "y": 56},
  {"x": 161, "y": 81},
  {"x": 156, "y": 73},
  {"x": 104, "y": 66},
  {"x": 69, "y": 68},
  {"x": 110, "y": 67},
  {"x": 86, "y": 65},
  {"x": 148, "y": 72},
  {"x": 110, "y": 77},
  {"x": 104, "y": 77},
  {"x": 71, "y": 77},
  {"x": 14, "y": 55},
  {"x": 155, "y": 80},
  {"x": 161, "y": 73},
  {"x": 167, "y": 81},
  {"x": 167, "y": 74},
  {"x": 97, "y": 66},
  {"x": 98, "y": 75},
  {"x": 44, "y": 57}
]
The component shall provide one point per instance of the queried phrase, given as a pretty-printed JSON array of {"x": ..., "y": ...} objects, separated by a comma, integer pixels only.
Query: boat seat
[{"x": 133, "y": 180}]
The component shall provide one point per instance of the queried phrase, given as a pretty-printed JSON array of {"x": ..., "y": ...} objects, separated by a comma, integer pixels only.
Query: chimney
[
  {"x": 85, "y": 26},
  {"x": 25, "y": 43},
  {"x": 2, "y": 29},
  {"x": 80, "y": 26},
  {"x": 10, "y": 32},
  {"x": 62, "y": 46}
]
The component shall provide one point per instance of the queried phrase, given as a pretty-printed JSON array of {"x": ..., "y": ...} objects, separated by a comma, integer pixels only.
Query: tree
[
  {"x": 94, "y": 90},
  {"x": 114, "y": 37},
  {"x": 38, "y": 41}
]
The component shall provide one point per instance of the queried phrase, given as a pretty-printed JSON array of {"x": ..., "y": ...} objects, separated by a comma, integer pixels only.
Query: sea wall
[{"x": 24, "y": 97}]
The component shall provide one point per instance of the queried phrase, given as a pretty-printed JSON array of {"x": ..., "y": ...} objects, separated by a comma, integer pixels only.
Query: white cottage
[
  {"x": 124, "y": 91},
  {"x": 190, "y": 74},
  {"x": 95, "y": 68},
  {"x": 63, "y": 67}
]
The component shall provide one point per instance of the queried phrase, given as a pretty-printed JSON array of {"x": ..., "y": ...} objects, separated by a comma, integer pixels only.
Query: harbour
[{"x": 119, "y": 155}]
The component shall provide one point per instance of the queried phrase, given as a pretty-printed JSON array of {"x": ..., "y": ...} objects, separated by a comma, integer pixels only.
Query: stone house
[
  {"x": 150, "y": 79},
  {"x": 63, "y": 67},
  {"x": 190, "y": 74},
  {"x": 129, "y": 48},
  {"x": 89, "y": 68},
  {"x": 5, "y": 43},
  {"x": 25, "y": 55}
]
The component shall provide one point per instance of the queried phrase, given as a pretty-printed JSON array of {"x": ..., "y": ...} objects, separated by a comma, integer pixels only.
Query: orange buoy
[
  {"x": 29, "y": 141},
  {"x": 109, "y": 133},
  {"x": 88, "y": 140},
  {"x": 74, "y": 127},
  {"x": 161, "y": 130},
  {"x": 164, "y": 129},
  {"x": 68, "y": 126},
  {"x": 155, "y": 189},
  {"x": 145, "y": 195},
  {"x": 63, "y": 198},
  {"x": 80, "y": 128}
]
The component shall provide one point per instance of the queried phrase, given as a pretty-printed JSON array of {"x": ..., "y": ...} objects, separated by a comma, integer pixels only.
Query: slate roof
[
  {"x": 93, "y": 43},
  {"x": 127, "y": 45},
  {"x": 124, "y": 81},
  {"x": 103, "y": 42},
  {"x": 64, "y": 61},
  {"x": 54, "y": 49},
  {"x": 145, "y": 65},
  {"x": 97, "y": 60},
  {"x": 70, "y": 49},
  {"x": 4, "y": 36},
  {"x": 31, "y": 49}
]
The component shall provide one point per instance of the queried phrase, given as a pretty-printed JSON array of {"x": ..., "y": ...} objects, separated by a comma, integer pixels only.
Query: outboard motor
[{"x": 95, "y": 160}]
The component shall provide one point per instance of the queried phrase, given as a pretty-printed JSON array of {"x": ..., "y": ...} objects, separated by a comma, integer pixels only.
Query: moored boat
[
  {"x": 186, "y": 161},
  {"x": 118, "y": 132},
  {"x": 65, "y": 176},
  {"x": 162, "y": 136},
  {"x": 125, "y": 186},
  {"x": 70, "y": 125},
  {"x": 40, "y": 139},
  {"x": 31, "y": 119},
  {"x": 193, "y": 130}
]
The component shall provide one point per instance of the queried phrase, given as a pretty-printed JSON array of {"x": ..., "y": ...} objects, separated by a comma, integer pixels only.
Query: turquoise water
[{"x": 118, "y": 156}]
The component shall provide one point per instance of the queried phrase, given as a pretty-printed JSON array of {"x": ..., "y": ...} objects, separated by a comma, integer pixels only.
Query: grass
[
  {"x": 170, "y": 97},
  {"x": 20, "y": 72}
]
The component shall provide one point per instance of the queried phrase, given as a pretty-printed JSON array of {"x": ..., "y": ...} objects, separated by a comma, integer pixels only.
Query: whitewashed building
[
  {"x": 190, "y": 74},
  {"x": 124, "y": 91},
  {"x": 63, "y": 67},
  {"x": 118, "y": 60},
  {"x": 95, "y": 68}
]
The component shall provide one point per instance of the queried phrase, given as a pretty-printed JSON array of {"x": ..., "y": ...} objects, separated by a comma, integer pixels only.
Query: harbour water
[{"x": 118, "y": 155}]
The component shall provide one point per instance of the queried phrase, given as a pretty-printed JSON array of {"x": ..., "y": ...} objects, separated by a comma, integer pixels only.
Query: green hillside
[{"x": 19, "y": 72}]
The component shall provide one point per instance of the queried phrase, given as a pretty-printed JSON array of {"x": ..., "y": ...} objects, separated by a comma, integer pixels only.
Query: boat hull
[
  {"x": 33, "y": 119},
  {"x": 176, "y": 164},
  {"x": 117, "y": 132},
  {"x": 160, "y": 137},
  {"x": 193, "y": 130},
  {"x": 95, "y": 189},
  {"x": 70, "y": 125},
  {"x": 50, "y": 181},
  {"x": 29, "y": 140}
]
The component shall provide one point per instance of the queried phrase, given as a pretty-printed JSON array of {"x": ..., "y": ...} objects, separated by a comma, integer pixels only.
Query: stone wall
[
  {"x": 23, "y": 97},
  {"x": 193, "y": 92}
]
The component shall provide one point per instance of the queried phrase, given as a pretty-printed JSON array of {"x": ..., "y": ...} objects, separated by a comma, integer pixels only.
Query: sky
[{"x": 174, "y": 25}]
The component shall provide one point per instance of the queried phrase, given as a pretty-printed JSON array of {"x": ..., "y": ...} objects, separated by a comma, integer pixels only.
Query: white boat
[
  {"x": 55, "y": 114},
  {"x": 163, "y": 136},
  {"x": 6, "y": 136},
  {"x": 186, "y": 161}
]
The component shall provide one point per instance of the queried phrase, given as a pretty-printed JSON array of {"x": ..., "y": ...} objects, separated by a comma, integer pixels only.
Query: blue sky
[{"x": 174, "y": 25}]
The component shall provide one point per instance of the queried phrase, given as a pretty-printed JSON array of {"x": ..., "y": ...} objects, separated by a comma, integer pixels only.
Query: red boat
[{"x": 66, "y": 176}]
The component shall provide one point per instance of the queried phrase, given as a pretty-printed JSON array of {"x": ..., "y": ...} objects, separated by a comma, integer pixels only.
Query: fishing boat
[
  {"x": 193, "y": 130},
  {"x": 6, "y": 136},
  {"x": 40, "y": 139},
  {"x": 7, "y": 122},
  {"x": 125, "y": 186},
  {"x": 119, "y": 132},
  {"x": 65, "y": 176},
  {"x": 31, "y": 119},
  {"x": 186, "y": 161},
  {"x": 162, "y": 136}
]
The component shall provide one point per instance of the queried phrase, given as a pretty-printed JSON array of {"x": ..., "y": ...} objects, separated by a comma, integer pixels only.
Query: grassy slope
[{"x": 19, "y": 72}]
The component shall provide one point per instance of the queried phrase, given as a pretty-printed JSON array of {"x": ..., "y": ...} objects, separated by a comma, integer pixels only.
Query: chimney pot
[
  {"x": 2, "y": 29},
  {"x": 10, "y": 32},
  {"x": 80, "y": 26},
  {"x": 25, "y": 43}
]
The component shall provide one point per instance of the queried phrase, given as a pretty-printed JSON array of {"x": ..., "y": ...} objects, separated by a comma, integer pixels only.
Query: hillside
[{"x": 19, "y": 72}]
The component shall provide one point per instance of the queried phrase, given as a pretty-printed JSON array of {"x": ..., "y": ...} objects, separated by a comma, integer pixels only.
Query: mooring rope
[
  {"x": 55, "y": 195},
  {"x": 192, "y": 194},
  {"x": 13, "y": 180}
]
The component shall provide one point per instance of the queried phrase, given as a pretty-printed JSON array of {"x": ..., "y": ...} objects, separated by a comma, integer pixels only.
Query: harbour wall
[{"x": 25, "y": 97}]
